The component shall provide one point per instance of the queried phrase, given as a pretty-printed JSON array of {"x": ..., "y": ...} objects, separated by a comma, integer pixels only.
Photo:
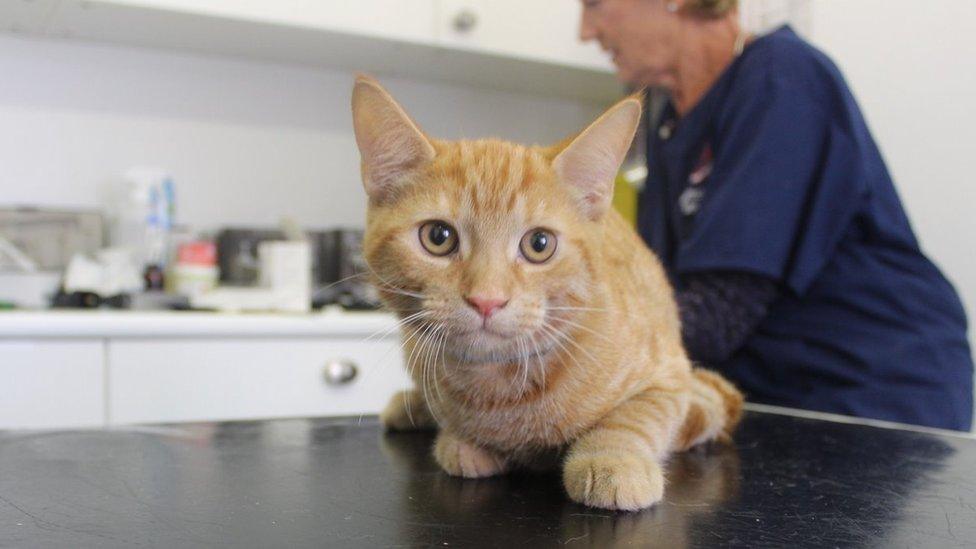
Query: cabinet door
[
  {"x": 51, "y": 384},
  {"x": 546, "y": 30},
  {"x": 410, "y": 20},
  {"x": 152, "y": 381}
]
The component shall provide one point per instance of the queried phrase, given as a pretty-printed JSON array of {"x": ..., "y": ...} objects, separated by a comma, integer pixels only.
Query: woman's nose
[{"x": 587, "y": 31}]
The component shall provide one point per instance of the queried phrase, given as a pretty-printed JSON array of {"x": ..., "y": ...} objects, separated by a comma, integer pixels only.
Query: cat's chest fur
[{"x": 544, "y": 412}]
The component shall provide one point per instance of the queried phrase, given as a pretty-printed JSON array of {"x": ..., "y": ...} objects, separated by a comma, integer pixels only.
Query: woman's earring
[{"x": 672, "y": 7}]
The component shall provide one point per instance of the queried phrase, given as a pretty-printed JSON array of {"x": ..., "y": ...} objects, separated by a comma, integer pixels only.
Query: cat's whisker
[
  {"x": 377, "y": 280},
  {"x": 422, "y": 331},
  {"x": 429, "y": 372},
  {"x": 571, "y": 341},
  {"x": 411, "y": 307},
  {"x": 538, "y": 356},
  {"x": 430, "y": 363},
  {"x": 545, "y": 331},
  {"x": 398, "y": 325},
  {"x": 418, "y": 352},
  {"x": 513, "y": 383},
  {"x": 552, "y": 333},
  {"x": 467, "y": 351},
  {"x": 596, "y": 309},
  {"x": 423, "y": 365},
  {"x": 439, "y": 353},
  {"x": 584, "y": 328},
  {"x": 393, "y": 288},
  {"x": 341, "y": 280},
  {"x": 400, "y": 291},
  {"x": 404, "y": 324},
  {"x": 406, "y": 401},
  {"x": 519, "y": 363},
  {"x": 443, "y": 357},
  {"x": 385, "y": 332},
  {"x": 401, "y": 324}
]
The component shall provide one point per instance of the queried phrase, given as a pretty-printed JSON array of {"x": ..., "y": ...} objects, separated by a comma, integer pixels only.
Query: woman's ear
[
  {"x": 390, "y": 143},
  {"x": 589, "y": 163}
]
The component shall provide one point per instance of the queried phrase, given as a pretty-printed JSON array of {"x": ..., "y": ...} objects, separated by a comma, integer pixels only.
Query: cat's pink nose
[{"x": 486, "y": 305}]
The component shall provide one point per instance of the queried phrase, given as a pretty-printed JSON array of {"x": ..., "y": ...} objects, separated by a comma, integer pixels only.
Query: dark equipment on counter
[
  {"x": 89, "y": 300},
  {"x": 338, "y": 269}
]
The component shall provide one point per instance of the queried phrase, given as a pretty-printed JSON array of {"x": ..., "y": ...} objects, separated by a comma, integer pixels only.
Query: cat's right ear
[
  {"x": 589, "y": 163},
  {"x": 390, "y": 143}
]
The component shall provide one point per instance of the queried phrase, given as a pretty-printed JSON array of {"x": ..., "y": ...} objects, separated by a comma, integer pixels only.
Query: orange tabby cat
[{"x": 536, "y": 323}]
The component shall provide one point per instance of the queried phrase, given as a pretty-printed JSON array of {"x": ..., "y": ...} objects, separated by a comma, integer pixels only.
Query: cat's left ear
[
  {"x": 590, "y": 162},
  {"x": 390, "y": 143}
]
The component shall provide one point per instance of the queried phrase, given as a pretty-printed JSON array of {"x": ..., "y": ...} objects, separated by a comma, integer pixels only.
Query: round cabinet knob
[
  {"x": 339, "y": 372},
  {"x": 465, "y": 20}
]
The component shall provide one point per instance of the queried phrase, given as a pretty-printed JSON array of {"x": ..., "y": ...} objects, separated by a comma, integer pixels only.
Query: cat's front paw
[
  {"x": 407, "y": 411},
  {"x": 613, "y": 481},
  {"x": 463, "y": 459}
]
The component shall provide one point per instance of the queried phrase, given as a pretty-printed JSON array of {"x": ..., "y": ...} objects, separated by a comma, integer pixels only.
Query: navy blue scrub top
[{"x": 775, "y": 172}]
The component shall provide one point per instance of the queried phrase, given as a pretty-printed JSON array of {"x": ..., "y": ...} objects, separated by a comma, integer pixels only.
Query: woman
[{"x": 796, "y": 270}]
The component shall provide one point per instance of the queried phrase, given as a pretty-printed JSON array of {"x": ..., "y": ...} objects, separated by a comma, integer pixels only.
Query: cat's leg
[
  {"x": 617, "y": 464},
  {"x": 463, "y": 459},
  {"x": 407, "y": 411}
]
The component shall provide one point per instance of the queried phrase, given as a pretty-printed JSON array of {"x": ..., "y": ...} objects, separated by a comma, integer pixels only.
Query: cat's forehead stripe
[{"x": 490, "y": 178}]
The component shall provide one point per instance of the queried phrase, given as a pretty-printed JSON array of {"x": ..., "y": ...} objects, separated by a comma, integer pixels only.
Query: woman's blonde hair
[{"x": 711, "y": 8}]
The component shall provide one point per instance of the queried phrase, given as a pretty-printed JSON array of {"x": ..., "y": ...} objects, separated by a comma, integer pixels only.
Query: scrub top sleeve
[{"x": 783, "y": 189}]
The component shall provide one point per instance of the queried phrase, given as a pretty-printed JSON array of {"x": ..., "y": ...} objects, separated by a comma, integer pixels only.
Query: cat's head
[{"x": 491, "y": 244}]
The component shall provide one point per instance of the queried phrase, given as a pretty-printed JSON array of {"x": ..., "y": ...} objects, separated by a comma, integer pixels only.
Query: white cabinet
[
  {"x": 527, "y": 47},
  {"x": 543, "y": 30},
  {"x": 212, "y": 379},
  {"x": 25, "y": 15},
  {"x": 410, "y": 20},
  {"x": 93, "y": 369},
  {"x": 51, "y": 383}
]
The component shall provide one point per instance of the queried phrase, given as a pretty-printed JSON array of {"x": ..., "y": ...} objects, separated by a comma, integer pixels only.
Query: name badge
[{"x": 690, "y": 200}]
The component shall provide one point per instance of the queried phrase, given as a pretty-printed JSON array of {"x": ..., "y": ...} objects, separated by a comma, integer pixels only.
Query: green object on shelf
[{"x": 7, "y": 305}]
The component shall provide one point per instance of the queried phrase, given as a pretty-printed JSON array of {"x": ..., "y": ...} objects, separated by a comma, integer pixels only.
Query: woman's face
[{"x": 641, "y": 35}]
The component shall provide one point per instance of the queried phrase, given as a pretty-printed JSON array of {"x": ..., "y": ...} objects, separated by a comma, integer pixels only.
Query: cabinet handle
[
  {"x": 465, "y": 20},
  {"x": 339, "y": 372}
]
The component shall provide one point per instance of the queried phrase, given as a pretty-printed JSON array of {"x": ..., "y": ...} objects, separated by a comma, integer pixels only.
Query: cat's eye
[
  {"x": 538, "y": 245},
  {"x": 438, "y": 238}
]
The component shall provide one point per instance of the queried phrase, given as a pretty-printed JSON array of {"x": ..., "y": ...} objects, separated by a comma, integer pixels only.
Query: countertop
[
  {"x": 788, "y": 481},
  {"x": 133, "y": 324}
]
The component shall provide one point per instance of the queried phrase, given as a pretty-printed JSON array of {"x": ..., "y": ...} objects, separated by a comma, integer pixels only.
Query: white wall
[
  {"x": 912, "y": 66},
  {"x": 250, "y": 142},
  {"x": 247, "y": 142}
]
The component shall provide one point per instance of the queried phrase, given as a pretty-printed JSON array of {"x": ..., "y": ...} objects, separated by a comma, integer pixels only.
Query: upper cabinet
[
  {"x": 529, "y": 47},
  {"x": 545, "y": 30},
  {"x": 411, "y": 20},
  {"x": 25, "y": 16}
]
